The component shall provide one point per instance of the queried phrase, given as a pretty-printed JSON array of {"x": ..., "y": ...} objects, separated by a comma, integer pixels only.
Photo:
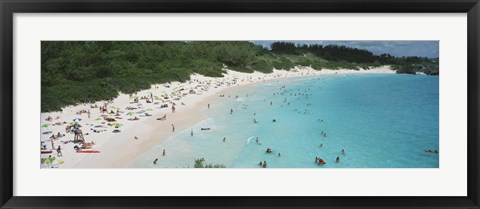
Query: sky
[{"x": 395, "y": 48}]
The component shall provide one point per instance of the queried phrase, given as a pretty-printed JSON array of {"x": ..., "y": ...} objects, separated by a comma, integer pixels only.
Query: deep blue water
[{"x": 380, "y": 120}]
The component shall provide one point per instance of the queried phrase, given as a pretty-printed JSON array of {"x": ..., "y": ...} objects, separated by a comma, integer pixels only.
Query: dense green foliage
[
  {"x": 200, "y": 163},
  {"x": 86, "y": 71}
]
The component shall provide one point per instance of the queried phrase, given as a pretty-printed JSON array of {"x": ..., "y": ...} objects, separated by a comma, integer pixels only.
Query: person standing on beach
[
  {"x": 231, "y": 111},
  {"x": 53, "y": 145},
  {"x": 208, "y": 106},
  {"x": 59, "y": 151},
  {"x": 173, "y": 109},
  {"x": 173, "y": 128},
  {"x": 88, "y": 112},
  {"x": 191, "y": 133},
  {"x": 164, "y": 153},
  {"x": 155, "y": 161},
  {"x": 224, "y": 139}
]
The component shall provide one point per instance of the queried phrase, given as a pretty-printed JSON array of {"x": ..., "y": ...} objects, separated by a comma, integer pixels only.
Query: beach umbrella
[
  {"x": 45, "y": 125},
  {"x": 45, "y": 161},
  {"x": 117, "y": 124},
  {"x": 77, "y": 119}
]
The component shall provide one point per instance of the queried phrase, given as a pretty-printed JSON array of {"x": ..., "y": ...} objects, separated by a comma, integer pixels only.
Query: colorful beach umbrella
[
  {"x": 117, "y": 124},
  {"x": 45, "y": 161}
]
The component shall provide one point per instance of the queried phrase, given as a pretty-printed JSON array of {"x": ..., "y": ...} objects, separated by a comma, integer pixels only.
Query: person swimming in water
[
  {"x": 343, "y": 151},
  {"x": 337, "y": 160},
  {"x": 321, "y": 161},
  {"x": 155, "y": 161}
]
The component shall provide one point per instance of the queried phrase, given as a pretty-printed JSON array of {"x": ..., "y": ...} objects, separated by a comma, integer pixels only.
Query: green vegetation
[
  {"x": 87, "y": 71},
  {"x": 200, "y": 163}
]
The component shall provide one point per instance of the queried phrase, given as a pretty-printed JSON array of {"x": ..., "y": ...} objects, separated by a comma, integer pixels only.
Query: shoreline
[{"x": 119, "y": 150}]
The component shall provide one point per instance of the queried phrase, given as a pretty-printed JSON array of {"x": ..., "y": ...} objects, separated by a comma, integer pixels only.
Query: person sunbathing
[{"x": 163, "y": 118}]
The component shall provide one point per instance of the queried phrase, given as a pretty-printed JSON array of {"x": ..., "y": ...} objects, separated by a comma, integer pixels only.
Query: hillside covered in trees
[{"x": 86, "y": 71}]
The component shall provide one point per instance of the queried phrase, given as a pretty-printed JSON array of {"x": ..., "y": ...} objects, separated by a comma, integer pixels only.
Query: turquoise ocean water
[{"x": 380, "y": 120}]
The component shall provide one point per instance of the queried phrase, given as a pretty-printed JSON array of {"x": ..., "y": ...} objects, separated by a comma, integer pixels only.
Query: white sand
[{"x": 118, "y": 150}]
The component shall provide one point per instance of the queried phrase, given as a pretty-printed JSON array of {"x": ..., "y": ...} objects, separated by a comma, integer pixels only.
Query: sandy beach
[{"x": 139, "y": 125}]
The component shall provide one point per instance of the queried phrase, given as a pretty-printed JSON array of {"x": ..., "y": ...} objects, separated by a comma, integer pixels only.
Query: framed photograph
[{"x": 237, "y": 104}]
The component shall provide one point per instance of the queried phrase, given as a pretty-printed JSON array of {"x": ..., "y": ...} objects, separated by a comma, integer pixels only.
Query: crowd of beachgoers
[{"x": 110, "y": 134}]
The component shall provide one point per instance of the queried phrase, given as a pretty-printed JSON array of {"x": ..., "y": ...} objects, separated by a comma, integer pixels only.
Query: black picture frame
[{"x": 9, "y": 7}]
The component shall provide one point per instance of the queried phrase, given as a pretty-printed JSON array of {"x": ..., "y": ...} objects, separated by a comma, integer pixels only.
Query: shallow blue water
[{"x": 380, "y": 120}]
